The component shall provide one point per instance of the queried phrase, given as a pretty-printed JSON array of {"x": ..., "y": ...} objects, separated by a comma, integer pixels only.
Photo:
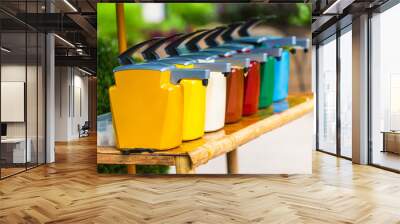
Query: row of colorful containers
[{"x": 161, "y": 102}]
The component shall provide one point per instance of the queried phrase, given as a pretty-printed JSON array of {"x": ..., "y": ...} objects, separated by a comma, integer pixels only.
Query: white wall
[
  {"x": 15, "y": 73},
  {"x": 11, "y": 73},
  {"x": 13, "y": 100},
  {"x": 33, "y": 126},
  {"x": 61, "y": 103},
  {"x": 71, "y": 94}
]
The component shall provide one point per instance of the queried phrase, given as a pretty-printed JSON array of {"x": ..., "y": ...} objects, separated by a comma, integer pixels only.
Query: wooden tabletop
[{"x": 217, "y": 143}]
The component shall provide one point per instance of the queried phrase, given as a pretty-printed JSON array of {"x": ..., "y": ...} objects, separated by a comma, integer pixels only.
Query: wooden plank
[
  {"x": 136, "y": 159},
  {"x": 217, "y": 143}
]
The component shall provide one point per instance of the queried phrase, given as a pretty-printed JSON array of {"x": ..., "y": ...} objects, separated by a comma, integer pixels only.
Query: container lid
[
  {"x": 303, "y": 43},
  {"x": 176, "y": 60},
  {"x": 253, "y": 39},
  {"x": 260, "y": 57},
  {"x": 178, "y": 74},
  {"x": 280, "y": 42},
  {"x": 145, "y": 66},
  {"x": 200, "y": 56},
  {"x": 274, "y": 52},
  {"x": 270, "y": 41},
  {"x": 223, "y": 67},
  {"x": 223, "y": 52},
  {"x": 235, "y": 46},
  {"x": 242, "y": 62}
]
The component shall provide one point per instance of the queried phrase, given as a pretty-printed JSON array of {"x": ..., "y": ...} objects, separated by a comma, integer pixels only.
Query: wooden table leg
[
  {"x": 183, "y": 165},
  {"x": 131, "y": 169},
  {"x": 232, "y": 162}
]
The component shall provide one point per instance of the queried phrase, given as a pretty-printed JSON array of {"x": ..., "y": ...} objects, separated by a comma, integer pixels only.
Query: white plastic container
[
  {"x": 215, "y": 94},
  {"x": 215, "y": 102}
]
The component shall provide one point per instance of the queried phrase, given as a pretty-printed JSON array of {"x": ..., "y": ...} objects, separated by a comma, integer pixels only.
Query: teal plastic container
[{"x": 282, "y": 76}]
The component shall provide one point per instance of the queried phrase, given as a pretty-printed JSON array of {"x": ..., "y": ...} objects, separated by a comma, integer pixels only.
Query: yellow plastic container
[
  {"x": 147, "y": 105},
  {"x": 194, "y": 102},
  {"x": 194, "y": 108}
]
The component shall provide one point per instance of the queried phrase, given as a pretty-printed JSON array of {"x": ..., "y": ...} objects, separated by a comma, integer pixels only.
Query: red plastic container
[
  {"x": 251, "y": 89},
  {"x": 234, "y": 95}
]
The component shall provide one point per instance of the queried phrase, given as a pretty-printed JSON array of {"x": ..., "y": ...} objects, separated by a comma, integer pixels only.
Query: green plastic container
[
  {"x": 268, "y": 74},
  {"x": 267, "y": 82}
]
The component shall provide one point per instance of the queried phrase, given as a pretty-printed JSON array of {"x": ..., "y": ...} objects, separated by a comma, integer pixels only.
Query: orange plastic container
[
  {"x": 235, "y": 88},
  {"x": 234, "y": 95}
]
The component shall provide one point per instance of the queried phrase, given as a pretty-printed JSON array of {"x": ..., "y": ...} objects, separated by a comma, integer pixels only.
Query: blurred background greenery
[{"x": 178, "y": 17}]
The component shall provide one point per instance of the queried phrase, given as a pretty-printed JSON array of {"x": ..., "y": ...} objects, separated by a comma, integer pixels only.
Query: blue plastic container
[{"x": 282, "y": 76}]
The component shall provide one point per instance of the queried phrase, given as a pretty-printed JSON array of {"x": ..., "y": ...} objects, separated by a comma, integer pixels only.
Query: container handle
[
  {"x": 201, "y": 74},
  {"x": 274, "y": 52},
  {"x": 211, "y": 40},
  {"x": 125, "y": 58},
  {"x": 227, "y": 35},
  {"x": 172, "y": 48},
  {"x": 244, "y": 29},
  {"x": 192, "y": 44},
  {"x": 150, "y": 52}
]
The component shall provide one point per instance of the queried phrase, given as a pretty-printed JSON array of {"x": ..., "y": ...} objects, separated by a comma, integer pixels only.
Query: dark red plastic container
[
  {"x": 251, "y": 89},
  {"x": 234, "y": 95}
]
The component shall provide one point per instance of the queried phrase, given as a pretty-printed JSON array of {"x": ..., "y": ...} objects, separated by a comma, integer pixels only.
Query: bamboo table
[{"x": 194, "y": 153}]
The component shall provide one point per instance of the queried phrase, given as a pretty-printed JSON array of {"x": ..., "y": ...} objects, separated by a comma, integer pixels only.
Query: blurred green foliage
[
  {"x": 179, "y": 17},
  {"x": 298, "y": 14},
  {"x": 107, "y": 52},
  {"x": 196, "y": 14},
  {"x": 140, "y": 169},
  {"x": 302, "y": 17}
]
